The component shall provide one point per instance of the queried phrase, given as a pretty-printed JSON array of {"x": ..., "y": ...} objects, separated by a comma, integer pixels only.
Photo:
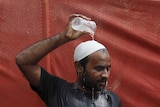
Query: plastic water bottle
[{"x": 81, "y": 24}]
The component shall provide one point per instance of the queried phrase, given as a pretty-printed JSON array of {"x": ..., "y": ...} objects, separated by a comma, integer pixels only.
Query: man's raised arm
[{"x": 27, "y": 59}]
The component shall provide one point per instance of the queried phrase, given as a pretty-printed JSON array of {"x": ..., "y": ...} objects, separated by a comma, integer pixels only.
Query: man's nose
[{"x": 105, "y": 73}]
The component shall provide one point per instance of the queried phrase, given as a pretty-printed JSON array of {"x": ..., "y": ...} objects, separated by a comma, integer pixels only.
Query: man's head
[{"x": 92, "y": 62}]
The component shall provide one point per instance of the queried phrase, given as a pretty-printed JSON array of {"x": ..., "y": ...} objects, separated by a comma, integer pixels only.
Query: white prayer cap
[{"x": 86, "y": 48}]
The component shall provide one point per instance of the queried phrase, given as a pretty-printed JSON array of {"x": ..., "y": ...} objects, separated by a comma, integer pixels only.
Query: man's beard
[{"x": 90, "y": 85}]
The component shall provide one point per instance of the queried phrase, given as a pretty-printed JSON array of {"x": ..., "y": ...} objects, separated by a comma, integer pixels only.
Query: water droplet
[
  {"x": 92, "y": 36},
  {"x": 92, "y": 95}
]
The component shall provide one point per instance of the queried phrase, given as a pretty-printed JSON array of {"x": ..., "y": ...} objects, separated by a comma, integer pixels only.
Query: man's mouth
[{"x": 102, "y": 83}]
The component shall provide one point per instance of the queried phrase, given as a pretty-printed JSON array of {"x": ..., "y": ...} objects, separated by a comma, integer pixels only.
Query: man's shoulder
[
  {"x": 114, "y": 98},
  {"x": 112, "y": 94}
]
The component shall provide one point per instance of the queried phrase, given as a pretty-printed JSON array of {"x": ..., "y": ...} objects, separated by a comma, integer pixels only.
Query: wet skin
[{"x": 97, "y": 70}]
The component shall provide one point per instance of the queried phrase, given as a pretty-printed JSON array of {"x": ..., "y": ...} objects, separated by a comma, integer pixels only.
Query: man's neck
[{"x": 87, "y": 90}]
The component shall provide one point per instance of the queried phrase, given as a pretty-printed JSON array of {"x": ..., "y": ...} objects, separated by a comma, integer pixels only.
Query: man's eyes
[
  {"x": 108, "y": 68},
  {"x": 101, "y": 68}
]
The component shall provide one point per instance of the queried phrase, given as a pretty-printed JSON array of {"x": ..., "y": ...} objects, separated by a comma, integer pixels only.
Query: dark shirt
[{"x": 56, "y": 92}]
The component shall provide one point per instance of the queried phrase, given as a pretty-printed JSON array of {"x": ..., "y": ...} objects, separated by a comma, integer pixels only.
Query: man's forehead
[{"x": 99, "y": 56}]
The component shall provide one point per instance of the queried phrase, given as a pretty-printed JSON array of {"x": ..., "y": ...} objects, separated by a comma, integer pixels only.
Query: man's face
[{"x": 97, "y": 70}]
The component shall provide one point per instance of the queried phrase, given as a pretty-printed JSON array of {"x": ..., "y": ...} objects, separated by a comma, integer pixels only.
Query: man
[{"x": 92, "y": 63}]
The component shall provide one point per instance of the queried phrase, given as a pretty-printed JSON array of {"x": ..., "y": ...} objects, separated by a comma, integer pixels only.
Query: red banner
[{"x": 130, "y": 29}]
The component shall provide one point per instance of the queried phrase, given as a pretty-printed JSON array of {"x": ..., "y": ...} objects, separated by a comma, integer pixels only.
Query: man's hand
[{"x": 72, "y": 34}]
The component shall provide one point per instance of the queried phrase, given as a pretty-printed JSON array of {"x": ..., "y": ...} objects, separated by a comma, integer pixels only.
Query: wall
[{"x": 130, "y": 29}]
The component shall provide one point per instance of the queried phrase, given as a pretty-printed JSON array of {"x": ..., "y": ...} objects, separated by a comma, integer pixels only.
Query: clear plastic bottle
[{"x": 81, "y": 24}]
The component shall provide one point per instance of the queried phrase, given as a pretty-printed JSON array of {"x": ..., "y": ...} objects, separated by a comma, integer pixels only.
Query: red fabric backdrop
[{"x": 130, "y": 29}]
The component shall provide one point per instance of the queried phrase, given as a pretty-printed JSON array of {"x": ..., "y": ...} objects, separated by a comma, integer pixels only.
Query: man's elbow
[{"x": 19, "y": 60}]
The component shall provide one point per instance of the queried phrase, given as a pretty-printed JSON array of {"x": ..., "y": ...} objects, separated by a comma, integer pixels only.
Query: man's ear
[{"x": 79, "y": 68}]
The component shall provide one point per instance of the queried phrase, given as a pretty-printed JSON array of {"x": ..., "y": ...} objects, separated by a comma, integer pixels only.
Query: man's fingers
[{"x": 78, "y": 15}]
